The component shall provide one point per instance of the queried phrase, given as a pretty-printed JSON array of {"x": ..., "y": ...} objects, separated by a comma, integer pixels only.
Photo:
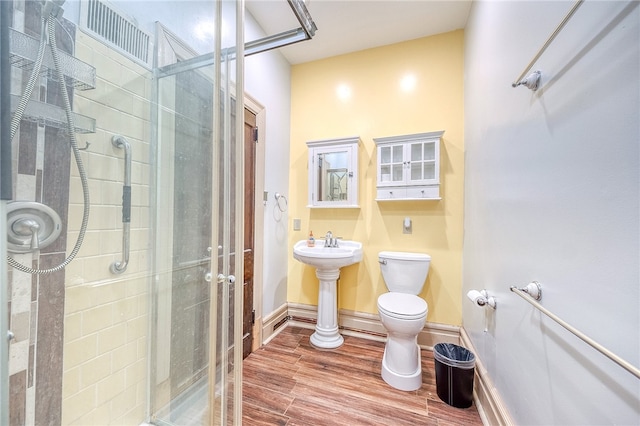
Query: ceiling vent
[{"x": 112, "y": 27}]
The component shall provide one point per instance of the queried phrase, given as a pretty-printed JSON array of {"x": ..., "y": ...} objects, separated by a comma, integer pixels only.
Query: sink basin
[{"x": 322, "y": 257}]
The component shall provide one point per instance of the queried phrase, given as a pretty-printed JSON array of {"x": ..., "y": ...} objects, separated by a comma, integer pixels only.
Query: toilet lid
[{"x": 402, "y": 305}]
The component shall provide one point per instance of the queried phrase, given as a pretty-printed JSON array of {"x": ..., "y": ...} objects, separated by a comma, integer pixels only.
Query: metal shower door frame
[{"x": 5, "y": 194}]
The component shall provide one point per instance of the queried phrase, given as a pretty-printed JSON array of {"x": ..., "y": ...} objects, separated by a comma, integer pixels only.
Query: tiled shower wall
[
  {"x": 106, "y": 315},
  {"x": 41, "y": 173},
  {"x": 80, "y": 351}
]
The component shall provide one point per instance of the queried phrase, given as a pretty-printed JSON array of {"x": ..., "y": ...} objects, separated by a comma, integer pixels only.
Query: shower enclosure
[
  {"x": 121, "y": 196},
  {"x": 154, "y": 339}
]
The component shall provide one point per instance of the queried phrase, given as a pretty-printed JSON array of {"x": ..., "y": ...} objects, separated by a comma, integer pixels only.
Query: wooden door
[{"x": 250, "y": 140}]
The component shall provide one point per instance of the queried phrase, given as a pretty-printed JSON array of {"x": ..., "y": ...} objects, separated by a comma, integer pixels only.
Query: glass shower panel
[
  {"x": 196, "y": 374},
  {"x": 183, "y": 248}
]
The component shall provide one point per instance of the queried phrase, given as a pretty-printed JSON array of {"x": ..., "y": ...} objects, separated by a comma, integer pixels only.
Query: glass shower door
[{"x": 197, "y": 320}]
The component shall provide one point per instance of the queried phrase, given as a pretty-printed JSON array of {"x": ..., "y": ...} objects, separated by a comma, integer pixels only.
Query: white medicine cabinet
[
  {"x": 333, "y": 173},
  {"x": 409, "y": 167}
]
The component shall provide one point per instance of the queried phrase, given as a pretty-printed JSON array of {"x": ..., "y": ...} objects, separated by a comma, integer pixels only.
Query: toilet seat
[{"x": 402, "y": 306}]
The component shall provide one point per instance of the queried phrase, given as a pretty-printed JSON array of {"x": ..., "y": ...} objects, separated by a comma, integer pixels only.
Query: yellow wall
[{"x": 378, "y": 107}]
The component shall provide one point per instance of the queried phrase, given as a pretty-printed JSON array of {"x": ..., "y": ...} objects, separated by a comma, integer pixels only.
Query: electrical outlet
[{"x": 296, "y": 224}]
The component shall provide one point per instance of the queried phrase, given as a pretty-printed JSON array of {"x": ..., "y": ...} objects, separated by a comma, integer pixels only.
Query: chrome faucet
[{"x": 330, "y": 241}]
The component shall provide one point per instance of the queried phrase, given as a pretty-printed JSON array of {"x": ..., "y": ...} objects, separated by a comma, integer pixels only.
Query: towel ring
[{"x": 281, "y": 197}]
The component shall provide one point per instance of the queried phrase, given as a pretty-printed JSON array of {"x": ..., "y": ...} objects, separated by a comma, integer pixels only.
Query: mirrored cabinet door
[{"x": 333, "y": 172}]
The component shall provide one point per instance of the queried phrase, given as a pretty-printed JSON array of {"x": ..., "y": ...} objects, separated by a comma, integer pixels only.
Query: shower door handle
[{"x": 228, "y": 278}]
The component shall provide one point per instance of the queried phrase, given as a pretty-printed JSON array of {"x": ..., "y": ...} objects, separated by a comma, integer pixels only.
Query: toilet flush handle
[{"x": 382, "y": 261}]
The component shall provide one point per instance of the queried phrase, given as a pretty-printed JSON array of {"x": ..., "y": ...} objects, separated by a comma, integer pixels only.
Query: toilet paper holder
[{"x": 482, "y": 298}]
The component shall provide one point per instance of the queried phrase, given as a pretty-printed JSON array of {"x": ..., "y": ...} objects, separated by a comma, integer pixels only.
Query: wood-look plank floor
[{"x": 289, "y": 382}]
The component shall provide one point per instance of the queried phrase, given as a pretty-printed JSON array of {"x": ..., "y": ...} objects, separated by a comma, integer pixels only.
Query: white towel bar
[
  {"x": 604, "y": 351},
  {"x": 546, "y": 44}
]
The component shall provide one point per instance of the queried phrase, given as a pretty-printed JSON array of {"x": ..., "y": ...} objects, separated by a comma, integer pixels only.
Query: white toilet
[{"x": 403, "y": 314}]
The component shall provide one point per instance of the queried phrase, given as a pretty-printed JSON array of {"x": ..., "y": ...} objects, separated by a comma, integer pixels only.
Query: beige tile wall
[{"x": 106, "y": 315}]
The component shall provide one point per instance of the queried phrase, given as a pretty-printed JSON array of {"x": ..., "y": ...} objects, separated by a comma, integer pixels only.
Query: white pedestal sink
[{"x": 328, "y": 261}]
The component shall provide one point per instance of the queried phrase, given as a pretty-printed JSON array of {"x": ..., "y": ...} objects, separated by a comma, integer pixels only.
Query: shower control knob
[
  {"x": 28, "y": 228},
  {"x": 31, "y": 226},
  {"x": 25, "y": 227},
  {"x": 208, "y": 276}
]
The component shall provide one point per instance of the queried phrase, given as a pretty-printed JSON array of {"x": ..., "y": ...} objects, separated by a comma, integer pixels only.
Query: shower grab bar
[
  {"x": 604, "y": 351},
  {"x": 518, "y": 81},
  {"x": 121, "y": 266}
]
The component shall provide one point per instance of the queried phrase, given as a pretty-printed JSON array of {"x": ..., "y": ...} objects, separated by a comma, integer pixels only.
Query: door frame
[{"x": 258, "y": 109}]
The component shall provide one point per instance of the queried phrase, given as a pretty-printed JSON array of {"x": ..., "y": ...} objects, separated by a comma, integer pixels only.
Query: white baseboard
[
  {"x": 489, "y": 403},
  {"x": 368, "y": 326},
  {"x": 273, "y": 323}
]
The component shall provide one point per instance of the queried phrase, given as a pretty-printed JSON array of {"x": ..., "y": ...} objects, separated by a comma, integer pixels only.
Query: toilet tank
[{"x": 404, "y": 272}]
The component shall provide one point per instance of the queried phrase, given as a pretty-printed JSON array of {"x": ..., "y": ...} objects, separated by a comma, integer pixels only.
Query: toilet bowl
[{"x": 403, "y": 315}]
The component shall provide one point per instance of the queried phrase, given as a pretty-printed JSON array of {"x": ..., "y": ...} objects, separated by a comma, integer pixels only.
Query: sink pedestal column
[{"x": 326, "y": 335}]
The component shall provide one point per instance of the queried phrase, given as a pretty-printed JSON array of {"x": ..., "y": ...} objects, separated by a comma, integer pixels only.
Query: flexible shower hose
[{"x": 48, "y": 27}]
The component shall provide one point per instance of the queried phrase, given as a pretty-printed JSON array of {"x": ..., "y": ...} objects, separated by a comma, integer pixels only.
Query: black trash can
[{"x": 455, "y": 367}]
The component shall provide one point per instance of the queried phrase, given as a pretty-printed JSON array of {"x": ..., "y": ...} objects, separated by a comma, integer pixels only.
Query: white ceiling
[{"x": 346, "y": 26}]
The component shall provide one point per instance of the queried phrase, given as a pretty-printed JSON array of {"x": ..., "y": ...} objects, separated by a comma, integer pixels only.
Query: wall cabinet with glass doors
[{"x": 409, "y": 167}]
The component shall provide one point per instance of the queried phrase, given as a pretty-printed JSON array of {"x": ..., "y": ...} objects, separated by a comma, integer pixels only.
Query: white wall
[
  {"x": 268, "y": 80},
  {"x": 552, "y": 194}
]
